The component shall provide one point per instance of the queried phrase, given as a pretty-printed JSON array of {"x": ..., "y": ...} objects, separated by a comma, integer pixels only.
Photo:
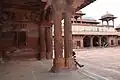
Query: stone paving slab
[
  {"x": 36, "y": 70},
  {"x": 104, "y": 62}
]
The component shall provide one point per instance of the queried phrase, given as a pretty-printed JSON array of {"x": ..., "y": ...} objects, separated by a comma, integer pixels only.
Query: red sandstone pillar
[
  {"x": 49, "y": 51},
  {"x": 58, "y": 62},
  {"x": 42, "y": 43},
  {"x": 69, "y": 63},
  {"x": 68, "y": 40}
]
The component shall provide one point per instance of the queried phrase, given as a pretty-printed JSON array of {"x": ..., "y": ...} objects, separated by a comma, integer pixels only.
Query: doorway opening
[{"x": 86, "y": 41}]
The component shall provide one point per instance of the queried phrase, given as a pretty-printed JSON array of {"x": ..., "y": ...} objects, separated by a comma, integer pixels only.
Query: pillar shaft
[
  {"x": 42, "y": 43},
  {"x": 58, "y": 62},
  {"x": 67, "y": 39},
  {"x": 91, "y": 42},
  {"x": 82, "y": 43},
  {"x": 49, "y": 51},
  {"x": 67, "y": 34},
  {"x": 58, "y": 45},
  {"x": 100, "y": 42}
]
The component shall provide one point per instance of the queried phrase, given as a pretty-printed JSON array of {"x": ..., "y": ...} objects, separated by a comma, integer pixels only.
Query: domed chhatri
[{"x": 108, "y": 17}]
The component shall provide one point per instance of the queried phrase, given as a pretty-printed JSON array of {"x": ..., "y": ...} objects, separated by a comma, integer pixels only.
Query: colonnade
[
  {"x": 95, "y": 41},
  {"x": 45, "y": 42},
  {"x": 61, "y": 62}
]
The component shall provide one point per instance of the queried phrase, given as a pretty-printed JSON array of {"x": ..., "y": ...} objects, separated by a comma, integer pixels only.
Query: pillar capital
[{"x": 58, "y": 6}]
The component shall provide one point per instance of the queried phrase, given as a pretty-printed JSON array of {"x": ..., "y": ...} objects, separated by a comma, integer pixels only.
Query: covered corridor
[{"x": 90, "y": 41}]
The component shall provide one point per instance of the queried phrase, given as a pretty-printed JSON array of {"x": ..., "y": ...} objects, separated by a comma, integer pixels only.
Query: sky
[{"x": 101, "y": 7}]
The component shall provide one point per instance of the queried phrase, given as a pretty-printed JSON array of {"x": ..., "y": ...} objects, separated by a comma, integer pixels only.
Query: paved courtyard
[{"x": 102, "y": 62}]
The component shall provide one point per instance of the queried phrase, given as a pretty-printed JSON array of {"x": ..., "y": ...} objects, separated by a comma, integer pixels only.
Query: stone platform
[{"x": 37, "y": 70}]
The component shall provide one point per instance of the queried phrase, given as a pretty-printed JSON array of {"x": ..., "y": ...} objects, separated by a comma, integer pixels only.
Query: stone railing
[
  {"x": 92, "y": 29},
  {"x": 76, "y": 29}
]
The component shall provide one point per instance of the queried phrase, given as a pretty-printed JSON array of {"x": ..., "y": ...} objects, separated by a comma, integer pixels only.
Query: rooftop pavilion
[{"x": 108, "y": 17}]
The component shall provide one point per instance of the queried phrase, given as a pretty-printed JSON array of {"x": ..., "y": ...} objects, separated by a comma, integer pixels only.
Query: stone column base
[
  {"x": 58, "y": 65},
  {"x": 70, "y": 64}
]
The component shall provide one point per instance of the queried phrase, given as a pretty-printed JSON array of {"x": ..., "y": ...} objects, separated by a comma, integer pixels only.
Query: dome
[{"x": 107, "y": 15}]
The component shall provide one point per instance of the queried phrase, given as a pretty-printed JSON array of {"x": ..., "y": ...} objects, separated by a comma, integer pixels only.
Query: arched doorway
[
  {"x": 103, "y": 41},
  {"x": 95, "y": 41},
  {"x": 86, "y": 41}
]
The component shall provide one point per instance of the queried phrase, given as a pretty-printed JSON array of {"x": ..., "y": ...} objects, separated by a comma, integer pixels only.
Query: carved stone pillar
[
  {"x": 69, "y": 63},
  {"x": 58, "y": 62},
  {"x": 49, "y": 51},
  {"x": 67, "y": 39},
  {"x": 42, "y": 42},
  {"x": 91, "y": 42}
]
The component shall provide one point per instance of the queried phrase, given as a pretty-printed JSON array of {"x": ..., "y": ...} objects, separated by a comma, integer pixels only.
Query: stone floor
[
  {"x": 102, "y": 62},
  {"x": 37, "y": 70}
]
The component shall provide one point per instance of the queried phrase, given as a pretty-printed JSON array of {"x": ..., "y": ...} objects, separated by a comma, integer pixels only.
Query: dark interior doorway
[
  {"x": 20, "y": 38},
  {"x": 112, "y": 42},
  {"x": 95, "y": 41},
  {"x": 103, "y": 41},
  {"x": 86, "y": 41}
]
